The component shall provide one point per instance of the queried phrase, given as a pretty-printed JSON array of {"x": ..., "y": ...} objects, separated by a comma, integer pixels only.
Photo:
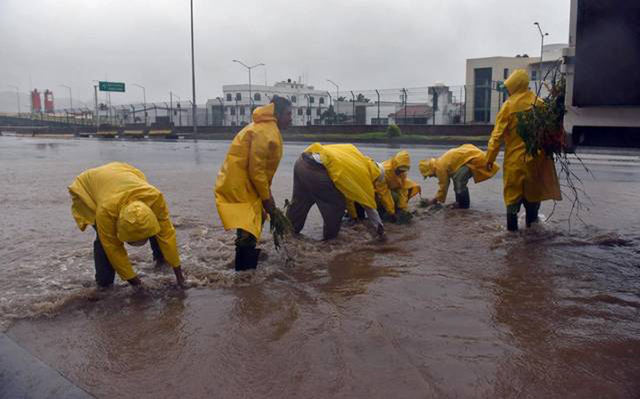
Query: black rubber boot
[
  {"x": 512, "y": 222},
  {"x": 464, "y": 200},
  {"x": 240, "y": 258},
  {"x": 531, "y": 213},
  {"x": 251, "y": 259}
]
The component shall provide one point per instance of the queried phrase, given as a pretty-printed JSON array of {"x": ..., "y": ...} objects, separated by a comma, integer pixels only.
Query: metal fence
[{"x": 428, "y": 105}]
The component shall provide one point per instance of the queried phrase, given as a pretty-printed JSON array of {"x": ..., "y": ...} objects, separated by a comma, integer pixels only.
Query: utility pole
[
  {"x": 249, "y": 68},
  {"x": 193, "y": 77},
  {"x": 542, "y": 35},
  {"x": 17, "y": 97},
  {"x": 95, "y": 100},
  {"x": 337, "y": 98},
  {"x": 378, "y": 93},
  {"x": 353, "y": 98},
  {"x": 70, "y": 96},
  {"x": 170, "y": 107},
  {"x": 144, "y": 98}
]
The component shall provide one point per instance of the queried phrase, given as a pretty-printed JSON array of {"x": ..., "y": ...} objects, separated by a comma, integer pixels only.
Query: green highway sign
[{"x": 111, "y": 86}]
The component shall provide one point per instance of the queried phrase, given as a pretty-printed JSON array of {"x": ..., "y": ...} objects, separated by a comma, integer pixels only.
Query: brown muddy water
[{"x": 450, "y": 306}]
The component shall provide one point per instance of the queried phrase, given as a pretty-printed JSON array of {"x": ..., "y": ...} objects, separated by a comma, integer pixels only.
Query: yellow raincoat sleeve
[
  {"x": 385, "y": 196},
  {"x": 409, "y": 190},
  {"x": 259, "y": 153},
  {"x": 443, "y": 184},
  {"x": 113, "y": 248},
  {"x": 502, "y": 123}
]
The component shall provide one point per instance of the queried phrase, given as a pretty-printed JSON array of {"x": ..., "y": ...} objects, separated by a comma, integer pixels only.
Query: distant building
[
  {"x": 412, "y": 114},
  {"x": 484, "y": 76},
  {"x": 238, "y": 101}
]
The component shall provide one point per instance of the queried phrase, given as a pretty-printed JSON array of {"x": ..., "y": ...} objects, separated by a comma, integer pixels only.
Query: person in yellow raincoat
[
  {"x": 527, "y": 180},
  {"x": 459, "y": 164},
  {"x": 243, "y": 185},
  {"x": 399, "y": 188},
  {"x": 334, "y": 177},
  {"x": 123, "y": 207}
]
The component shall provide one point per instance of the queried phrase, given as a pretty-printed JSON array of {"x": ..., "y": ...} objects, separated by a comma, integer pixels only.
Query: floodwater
[{"x": 449, "y": 306}]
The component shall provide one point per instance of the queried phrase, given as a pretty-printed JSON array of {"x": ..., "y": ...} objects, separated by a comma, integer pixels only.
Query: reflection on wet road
[{"x": 450, "y": 306}]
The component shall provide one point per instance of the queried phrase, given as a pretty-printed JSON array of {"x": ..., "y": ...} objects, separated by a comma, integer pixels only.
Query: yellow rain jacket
[
  {"x": 400, "y": 184},
  {"x": 244, "y": 180},
  {"x": 449, "y": 163},
  {"x": 355, "y": 175},
  {"x": 531, "y": 178},
  {"x": 124, "y": 207}
]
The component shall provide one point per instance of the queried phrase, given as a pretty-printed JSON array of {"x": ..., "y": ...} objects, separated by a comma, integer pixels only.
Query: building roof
[{"x": 414, "y": 111}]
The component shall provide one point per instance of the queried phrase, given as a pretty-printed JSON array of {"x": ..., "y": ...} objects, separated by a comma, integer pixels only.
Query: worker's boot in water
[
  {"x": 512, "y": 221},
  {"x": 464, "y": 200},
  {"x": 251, "y": 259},
  {"x": 531, "y": 213}
]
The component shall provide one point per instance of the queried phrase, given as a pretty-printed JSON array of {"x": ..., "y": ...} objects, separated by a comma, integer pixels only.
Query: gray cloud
[{"x": 359, "y": 44}]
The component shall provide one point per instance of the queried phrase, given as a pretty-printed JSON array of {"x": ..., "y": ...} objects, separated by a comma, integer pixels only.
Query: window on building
[
  {"x": 232, "y": 111},
  {"x": 312, "y": 99},
  {"x": 308, "y": 111},
  {"x": 229, "y": 97},
  {"x": 482, "y": 95},
  {"x": 321, "y": 100},
  {"x": 257, "y": 97},
  {"x": 318, "y": 112},
  {"x": 505, "y": 73},
  {"x": 238, "y": 97},
  {"x": 534, "y": 75},
  {"x": 299, "y": 111},
  {"x": 294, "y": 99},
  {"x": 241, "y": 110}
]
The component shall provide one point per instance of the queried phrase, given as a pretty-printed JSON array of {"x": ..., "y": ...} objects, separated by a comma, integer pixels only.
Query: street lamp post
[
  {"x": 17, "y": 97},
  {"x": 542, "y": 35},
  {"x": 249, "y": 68},
  {"x": 144, "y": 98},
  {"x": 193, "y": 78},
  {"x": 337, "y": 99},
  {"x": 70, "y": 96}
]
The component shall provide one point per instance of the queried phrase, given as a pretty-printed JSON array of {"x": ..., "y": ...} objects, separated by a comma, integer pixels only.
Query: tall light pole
[
  {"x": 193, "y": 77},
  {"x": 249, "y": 68},
  {"x": 70, "y": 96},
  {"x": 542, "y": 35},
  {"x": 337, "y": 99},
  {"x": 17, "y": 97},
  {"x": 144, "y": 98}
]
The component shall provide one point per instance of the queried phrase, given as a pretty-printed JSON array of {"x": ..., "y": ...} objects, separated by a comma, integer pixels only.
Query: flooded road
[{"x": 450, "y": 306}]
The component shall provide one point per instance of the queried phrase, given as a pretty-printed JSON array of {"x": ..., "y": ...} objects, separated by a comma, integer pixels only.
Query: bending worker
[
  {"x": 243, "y": 187},
  {"x": 334, "y": 177},
  {"x": 123, "y": 207},
  {"x": 458, "y": 164},
  {"x": 399, "y": 189},
  {"x": 527, "y": 180}
]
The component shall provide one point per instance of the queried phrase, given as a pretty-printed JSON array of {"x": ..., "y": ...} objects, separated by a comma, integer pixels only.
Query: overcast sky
[{"x": 358, "y": 44}]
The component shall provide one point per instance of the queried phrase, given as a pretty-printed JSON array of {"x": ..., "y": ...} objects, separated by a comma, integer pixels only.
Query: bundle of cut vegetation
[
  {"x": 280, "y": 226},
  {"x": 542, "y": 130}
]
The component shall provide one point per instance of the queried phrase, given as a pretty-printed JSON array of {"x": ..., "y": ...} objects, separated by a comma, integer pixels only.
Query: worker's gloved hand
[
  {"x": 269, "y": 205},
  {"x": 489, "y": 165},
  {"x": 136, "y": 282}
]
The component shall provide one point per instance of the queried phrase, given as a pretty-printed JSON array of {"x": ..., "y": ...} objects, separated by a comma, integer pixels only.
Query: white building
[
  {"x": 238, "y": 101},
  {"x": 483, "y": 76}
]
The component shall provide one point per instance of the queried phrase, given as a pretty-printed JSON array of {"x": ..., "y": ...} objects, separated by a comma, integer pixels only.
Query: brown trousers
[{"x": 312, "y": 185}]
